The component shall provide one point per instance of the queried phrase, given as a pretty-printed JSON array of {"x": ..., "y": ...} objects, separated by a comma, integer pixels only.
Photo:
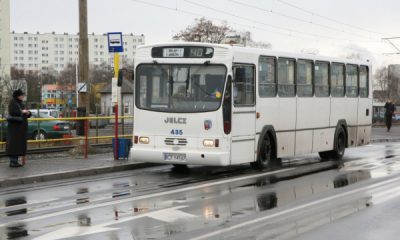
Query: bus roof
[{"x": 260, "y": 51}]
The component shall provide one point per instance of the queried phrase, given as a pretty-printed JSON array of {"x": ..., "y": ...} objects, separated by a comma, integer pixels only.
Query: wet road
[{"x": 204, "y": 203}]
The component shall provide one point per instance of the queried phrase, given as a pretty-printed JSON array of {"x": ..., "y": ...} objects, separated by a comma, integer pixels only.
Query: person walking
[
  {"x": 389, "y": 112},
  {"x": 17, "y": 128}
]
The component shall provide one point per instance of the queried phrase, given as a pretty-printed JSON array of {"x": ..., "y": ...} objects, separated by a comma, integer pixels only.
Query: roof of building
[{"x": 127, "y": 88}]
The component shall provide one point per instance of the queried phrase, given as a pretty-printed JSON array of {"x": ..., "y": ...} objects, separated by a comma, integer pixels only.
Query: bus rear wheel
[
  {"x": 339, "y": 148},
  {"x": 265, "y": 156}
]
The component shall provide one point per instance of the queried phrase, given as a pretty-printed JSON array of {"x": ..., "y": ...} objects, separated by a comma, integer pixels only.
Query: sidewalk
[
  {"x": 380, "y": 134},
  {"x": 47, "y": 169},
  {"x": 40, "y": 169}
]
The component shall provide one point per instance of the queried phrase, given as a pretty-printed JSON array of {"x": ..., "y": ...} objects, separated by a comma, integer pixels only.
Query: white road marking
[
  {"x": 288, "y": 211},
  {"x": 125, "y": 200},
  {"x": 68, "y": 232}
]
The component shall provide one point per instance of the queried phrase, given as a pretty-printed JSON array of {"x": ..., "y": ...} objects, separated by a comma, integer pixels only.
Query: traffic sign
[
  {"x": 82, "y": 87},
  {"x": 115, "y": 43}
]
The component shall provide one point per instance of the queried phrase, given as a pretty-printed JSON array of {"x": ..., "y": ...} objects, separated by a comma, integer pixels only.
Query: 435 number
[{"x": 178, "y": 132}]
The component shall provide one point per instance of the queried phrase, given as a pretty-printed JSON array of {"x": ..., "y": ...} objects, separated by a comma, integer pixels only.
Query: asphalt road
[{"x": 301, "y": 197}]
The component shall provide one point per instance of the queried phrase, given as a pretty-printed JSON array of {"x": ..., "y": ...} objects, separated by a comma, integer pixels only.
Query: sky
[{"x": 334, "y": 28}]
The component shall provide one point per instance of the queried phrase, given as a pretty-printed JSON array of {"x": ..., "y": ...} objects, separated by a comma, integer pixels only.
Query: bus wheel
[
  {"x": 339, "y": 148},
  {"x": 265, "y": 155}
]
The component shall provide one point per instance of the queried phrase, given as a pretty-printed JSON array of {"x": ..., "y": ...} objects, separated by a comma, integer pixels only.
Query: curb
[
  {"x": 72, "y": 174},
  {"x": 383, "y": 140}
]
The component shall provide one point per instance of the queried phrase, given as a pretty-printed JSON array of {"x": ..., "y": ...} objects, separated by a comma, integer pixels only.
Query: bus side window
[
  {"x": 337, "y": 80},
  {"x": 286, "y": 87},
  {"x": 351, "y": 80},
  {"x": 243, "y": 86},
  {"x": 321, "y": 79},
  {"x": 364, "y": 78},
  {"x": 267, "y": 77}
]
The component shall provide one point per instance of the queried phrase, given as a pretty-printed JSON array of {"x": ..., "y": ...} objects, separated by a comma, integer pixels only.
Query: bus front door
[{"x": 243, "y": 115}]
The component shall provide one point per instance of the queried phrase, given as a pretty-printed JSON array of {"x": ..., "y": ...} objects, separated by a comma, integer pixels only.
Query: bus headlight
[
  {"x": 144, "y": 140},
  {"x": 208, "y": 143}
]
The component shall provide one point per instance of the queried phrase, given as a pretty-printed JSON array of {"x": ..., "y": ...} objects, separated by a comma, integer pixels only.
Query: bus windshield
[{"x": 179, "y": 88}]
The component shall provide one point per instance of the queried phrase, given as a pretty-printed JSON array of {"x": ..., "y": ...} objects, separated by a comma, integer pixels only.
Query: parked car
[
  {"x": 44, "y": 130},
  {"x": 396, "y": 117},
  {"x": 46, "y": 112}
]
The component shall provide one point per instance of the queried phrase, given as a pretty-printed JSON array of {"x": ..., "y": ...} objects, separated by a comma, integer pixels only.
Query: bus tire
[
  {"x": 339, "y": 147},
  {"x": 266, "y": 153}
]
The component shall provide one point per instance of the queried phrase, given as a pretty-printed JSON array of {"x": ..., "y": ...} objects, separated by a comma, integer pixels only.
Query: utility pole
[
  {"x": 83, "y": 55},
  {"x": 83, "y": 107}
]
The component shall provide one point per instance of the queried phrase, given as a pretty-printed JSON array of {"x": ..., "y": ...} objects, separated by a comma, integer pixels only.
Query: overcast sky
[{"x": 333, "y": 27}]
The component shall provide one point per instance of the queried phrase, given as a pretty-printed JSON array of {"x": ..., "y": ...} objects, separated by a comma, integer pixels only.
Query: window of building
[
  {"x": 21, "y": 38},
  {"x": 337, "y": 80},
  {"x": 351, "y": 80},
  {"x": 21, "y": 45},
  {"x": 304, "y": 78},
  {"x": 21, "y": 51},
  {"x": 286, "y": 87},
  {"x": 30, "y": 39},
  {"x": 364, "y": 79},
  {"x": 243, "y": 86},
  {"x": 266, "y": 75},
  {"x": 321, "y": 79}
]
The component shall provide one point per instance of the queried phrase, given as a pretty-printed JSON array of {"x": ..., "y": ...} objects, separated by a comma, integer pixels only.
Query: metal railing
[{"x": 69, "y": 138}]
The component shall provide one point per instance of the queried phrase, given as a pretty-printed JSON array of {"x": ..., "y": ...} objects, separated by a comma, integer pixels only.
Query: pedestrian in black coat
[
  {"x": 17, "y": 128},
  {"x": 390, "y": 108}
]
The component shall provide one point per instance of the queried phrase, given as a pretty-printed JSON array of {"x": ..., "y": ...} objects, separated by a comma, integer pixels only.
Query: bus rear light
[
  {"x": 216, "y": 143},
  {"x": 135, "y": 139},
  {"x": 144, "y": 140}
]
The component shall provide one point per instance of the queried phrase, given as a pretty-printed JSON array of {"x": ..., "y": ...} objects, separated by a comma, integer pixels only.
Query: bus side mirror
[{"x": 120, "y": 77}]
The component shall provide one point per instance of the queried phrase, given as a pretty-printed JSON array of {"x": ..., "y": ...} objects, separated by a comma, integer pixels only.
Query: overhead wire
[
  {"x": 274, "y": 26},
  {"x": 271, "y": 11},
  {"x": 329, "y": 19}
]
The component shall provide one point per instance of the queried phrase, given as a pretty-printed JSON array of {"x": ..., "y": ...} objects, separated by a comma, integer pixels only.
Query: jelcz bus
[{"x": 211, "y": 104}]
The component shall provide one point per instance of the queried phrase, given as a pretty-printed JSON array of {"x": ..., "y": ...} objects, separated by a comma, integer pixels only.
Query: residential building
[
  {"x": 45, "y": 51},
  {"x": 4, "y": 38}
]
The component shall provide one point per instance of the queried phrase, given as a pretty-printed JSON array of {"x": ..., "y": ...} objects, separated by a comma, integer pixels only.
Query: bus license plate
[{"x": 181, "y": 157}]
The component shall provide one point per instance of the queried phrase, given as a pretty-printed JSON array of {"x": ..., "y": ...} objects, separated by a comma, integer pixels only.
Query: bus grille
[{"x": 176, "y": 141}]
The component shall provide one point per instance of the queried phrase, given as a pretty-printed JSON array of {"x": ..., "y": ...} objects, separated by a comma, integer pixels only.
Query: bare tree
[
  {"x": 381, "y": 79},
  {"x": 203, "y": 31}
]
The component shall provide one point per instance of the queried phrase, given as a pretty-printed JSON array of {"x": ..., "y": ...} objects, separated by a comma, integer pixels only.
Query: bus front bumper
[{"x": 192, "y": 157}]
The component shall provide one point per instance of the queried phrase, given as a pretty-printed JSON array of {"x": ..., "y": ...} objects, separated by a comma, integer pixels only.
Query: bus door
[{"x": 243, "y": 114}]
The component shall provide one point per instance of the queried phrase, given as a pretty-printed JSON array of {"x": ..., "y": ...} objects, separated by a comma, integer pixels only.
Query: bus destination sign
[
  {"x": 182, "y": 52},
  {"x": 173, "y": 52}
]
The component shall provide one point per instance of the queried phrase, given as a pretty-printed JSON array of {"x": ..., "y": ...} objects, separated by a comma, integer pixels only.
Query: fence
[{"x": 50, "y": 132}]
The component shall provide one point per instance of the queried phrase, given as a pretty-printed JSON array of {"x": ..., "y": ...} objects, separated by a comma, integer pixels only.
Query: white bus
[{"x": 209, "y": 104}]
